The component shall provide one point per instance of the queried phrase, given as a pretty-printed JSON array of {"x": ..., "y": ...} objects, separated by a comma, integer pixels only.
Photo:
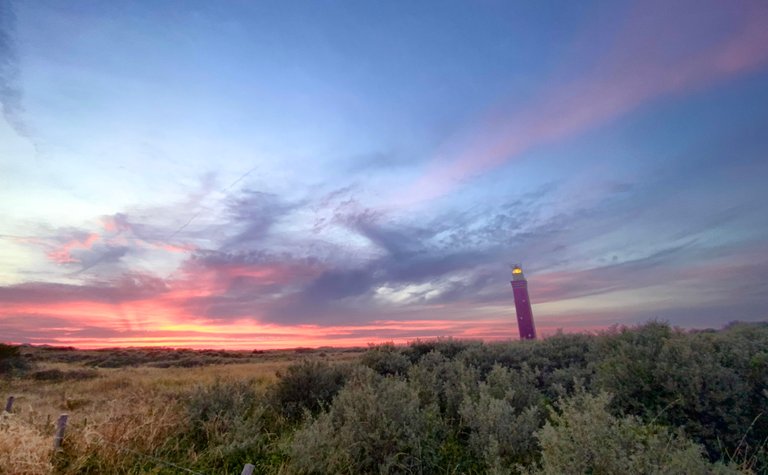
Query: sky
[{"x": 277, "y": 174}]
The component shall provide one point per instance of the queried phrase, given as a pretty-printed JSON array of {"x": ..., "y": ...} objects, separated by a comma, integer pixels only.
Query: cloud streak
[{"x": 638, "y": 70}]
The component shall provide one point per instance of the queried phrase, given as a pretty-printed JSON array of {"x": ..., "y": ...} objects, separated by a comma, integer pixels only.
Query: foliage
[
  {"x": 219, "y": 411},
  {"x": 450, "y": 347},
  {"x": 229, "y": 422},
  {"x": 443, "y": 382},
  {"x": 650, "y": 399},
  {"x": 709, "y": 384},
  {"x": 11, "y": 359},
  {"x": 308, "y": 386},
  {"x": 584, "y": 437},
  {"x": 54, "y": 375},
  {"x": 386, "y": 359},
  {"x": 374, "y": 425},
  {"x": 501, "y": 423}
]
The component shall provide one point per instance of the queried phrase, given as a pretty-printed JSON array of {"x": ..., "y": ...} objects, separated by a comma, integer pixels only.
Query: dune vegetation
[{"x": 649, "y": 399}]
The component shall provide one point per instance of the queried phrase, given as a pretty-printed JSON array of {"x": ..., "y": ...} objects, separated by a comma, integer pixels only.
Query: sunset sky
[{"x": 277, "y": 174}]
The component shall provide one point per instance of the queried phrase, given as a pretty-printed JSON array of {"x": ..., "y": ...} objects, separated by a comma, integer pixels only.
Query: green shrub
[
  {"x": 562, "y": 359},
  {"x": 217, "y": 411},
  {"x": 557, "y": 361},
  {"x": 229, "y": 423},
  {"x": 584, "y": 437},
  {"x": 518, "y": 388},
  {"x": 11, "y": 359},
  {"x": 375, "y": 425},
  {"x": 444, "y": 383},
  {"x": 57, "y": 375},
  {"x": 386, "y": 359},
  {"x": 709, "y": 384},
  {"x": 450, "y": 347},
  {"x": 416, "y": 349},
  {"x": 500, "y": 425},
  {"x": 307, "y": 386},
  {"x": 627, "y": 368}
]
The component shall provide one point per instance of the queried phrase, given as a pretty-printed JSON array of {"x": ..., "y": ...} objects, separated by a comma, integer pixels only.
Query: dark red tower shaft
[{"x": 523, "y": 305}]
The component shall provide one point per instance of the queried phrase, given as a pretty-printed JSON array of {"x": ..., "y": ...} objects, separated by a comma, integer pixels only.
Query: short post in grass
[
  {"x": 248, "y": 469},
  {"x": 61, "y": 424},
  {"x": 9, "y": 404}
]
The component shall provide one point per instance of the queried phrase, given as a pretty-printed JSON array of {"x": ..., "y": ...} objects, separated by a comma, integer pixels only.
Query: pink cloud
[
  {"x": 63, "y": 253},
  {"x": 175, "y": 248},
  {"x": 115, "y": 224},
  {"x": 663, "y": 49}
]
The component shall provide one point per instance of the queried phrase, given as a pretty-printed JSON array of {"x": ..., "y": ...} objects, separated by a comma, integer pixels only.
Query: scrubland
[{"x": 650, "y": 399}]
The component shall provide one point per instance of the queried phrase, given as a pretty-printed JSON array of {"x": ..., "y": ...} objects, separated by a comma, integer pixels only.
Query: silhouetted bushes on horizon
[{"x": 11, "y": 360}]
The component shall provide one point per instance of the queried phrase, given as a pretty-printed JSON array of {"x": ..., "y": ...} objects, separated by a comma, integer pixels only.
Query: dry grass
[
  {"x": 115, "y": 417},
  {"x": 24, "y": 449},
  {"x": 138, "y": 423}
]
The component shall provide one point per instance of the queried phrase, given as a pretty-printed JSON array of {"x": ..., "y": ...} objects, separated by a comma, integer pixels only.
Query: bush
[
  {"x": 518, "y": 388},
  {"x": 562, "y": 359},
  {"x": 386, "y": 359},
  {"x": 450, "y": 347},
  {"x": 375, "y": 425},
  {"x": 583, "y": 437},
  {"x": 307, "y": 386},
  {"x": 501, "y": 416},
  {"x": 218, "y": 411},
  {"x": 444, "y": 383},
  {"x": 628, "y": 368},
  {"x": 11, "y": 360},
  {"x": 500, "y": 434},
  {"x": 57, "y": 375},
  {"x": 229, "y": 423},
  {"x": 709, "y": 384},
  {"x": 556, "y": 361}
]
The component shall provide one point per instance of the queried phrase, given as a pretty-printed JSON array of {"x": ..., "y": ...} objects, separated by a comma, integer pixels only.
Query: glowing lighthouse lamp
[{"x": 522, "y": 305}]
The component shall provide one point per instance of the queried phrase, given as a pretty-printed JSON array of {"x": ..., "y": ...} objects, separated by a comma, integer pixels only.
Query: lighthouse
[{"x": 523, "y": 305}]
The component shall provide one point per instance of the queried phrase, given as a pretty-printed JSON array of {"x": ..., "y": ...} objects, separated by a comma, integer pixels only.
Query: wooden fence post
[
  {"x": 9, "y": 404},
  {"x": 61, "y": 424},
  {"x": 248, "y": 469}
]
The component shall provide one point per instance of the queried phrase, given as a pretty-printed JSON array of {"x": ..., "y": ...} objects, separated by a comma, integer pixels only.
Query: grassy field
[
  {"x": 118, "y": 412},
  {"x": 650, "y": 399}
]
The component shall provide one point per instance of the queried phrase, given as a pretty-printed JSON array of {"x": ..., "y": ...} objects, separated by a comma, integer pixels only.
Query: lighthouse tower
[{"x": 523, "y": 305}]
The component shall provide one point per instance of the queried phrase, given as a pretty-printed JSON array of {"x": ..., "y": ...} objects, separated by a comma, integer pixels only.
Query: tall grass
[{"x": 24, "y": 449}]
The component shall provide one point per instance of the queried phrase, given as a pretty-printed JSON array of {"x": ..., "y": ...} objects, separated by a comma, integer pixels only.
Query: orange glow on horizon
[
  {"x": 180, "y": 312},
  {"x": 157, "y": 324}
]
